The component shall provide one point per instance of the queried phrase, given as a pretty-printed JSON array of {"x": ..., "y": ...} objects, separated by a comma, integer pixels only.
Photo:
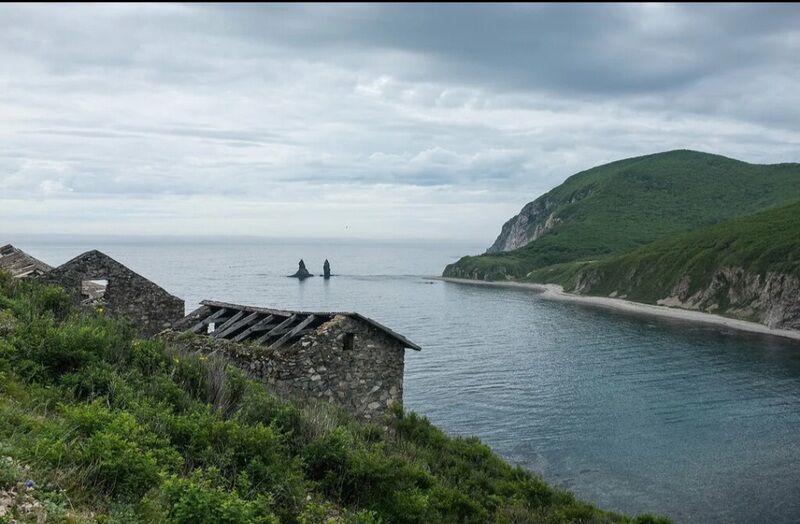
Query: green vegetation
[
  {"x": 103, "y": 427},
  {"x": 768, "y": 241},
  {"x": 619, "y": 207}
]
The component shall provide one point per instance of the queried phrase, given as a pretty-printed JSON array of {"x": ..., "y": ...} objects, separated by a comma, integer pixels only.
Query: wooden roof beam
[
  {"x": 254, "y": 328},
  {"x": 206, "y": 321},
  {"x": 286, "y": 323},
  {"x": 239, "y": 325},
  {"x": 299, "y": 327},
  {"x": 228, "y": 323}
]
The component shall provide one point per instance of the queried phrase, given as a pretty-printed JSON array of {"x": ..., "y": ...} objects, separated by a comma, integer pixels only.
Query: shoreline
[{"x": 556, "y": 292}]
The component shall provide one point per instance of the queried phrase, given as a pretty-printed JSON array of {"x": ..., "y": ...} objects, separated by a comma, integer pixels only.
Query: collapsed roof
[
  {"x": 20, "y": 264},
  {"x": 268, "y": 327}
]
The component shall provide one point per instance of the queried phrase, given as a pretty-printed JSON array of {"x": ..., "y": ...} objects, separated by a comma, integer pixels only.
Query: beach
[{"x": 556, "y": 292}]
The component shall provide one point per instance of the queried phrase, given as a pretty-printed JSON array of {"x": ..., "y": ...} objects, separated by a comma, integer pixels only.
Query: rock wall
[
  {"x": 534, "y": 220},
  {"x": 363, "y": 375},
  {"x": 772, "y": 299},
  {"x": 127, "y": 293}
]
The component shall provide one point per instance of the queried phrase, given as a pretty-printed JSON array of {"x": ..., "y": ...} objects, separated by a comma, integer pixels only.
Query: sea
[{"x": 631, "y": 413}]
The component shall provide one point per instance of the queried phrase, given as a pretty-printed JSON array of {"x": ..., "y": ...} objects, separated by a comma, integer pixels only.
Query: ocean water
[{"x": 629, "y": 412}]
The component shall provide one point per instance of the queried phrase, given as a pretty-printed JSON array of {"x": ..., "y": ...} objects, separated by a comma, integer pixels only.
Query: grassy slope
[
  {"x": 759, "y": 243},
  {"x": 636, "y": 201},
  {"x": 113, "y": 429}
]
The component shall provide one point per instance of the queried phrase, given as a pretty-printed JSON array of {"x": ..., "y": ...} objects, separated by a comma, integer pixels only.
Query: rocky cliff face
[
  {"x": 534, "y": 221},
  {"x": 772, "y": 299}
]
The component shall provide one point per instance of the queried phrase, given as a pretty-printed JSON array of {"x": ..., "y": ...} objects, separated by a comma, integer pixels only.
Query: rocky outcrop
[
  {"x": 534, "y": 221},
  {"x": 326, "y": 269},
  {"x": 302, "y": 273},
  {"x": 772, "y": 299},
  {"x": 494, "y": 273}
]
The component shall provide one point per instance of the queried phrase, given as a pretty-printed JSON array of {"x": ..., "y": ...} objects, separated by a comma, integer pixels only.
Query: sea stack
[
  {"x": 326, "y": 269},
  {"x": 302, "y": 272}
]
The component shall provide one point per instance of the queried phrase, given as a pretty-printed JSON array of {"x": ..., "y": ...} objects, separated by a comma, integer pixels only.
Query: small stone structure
[
  {"x": 96, "y": 279},
  {"x": 344, "y": 358},
  {"x": 20, "y": 264}
]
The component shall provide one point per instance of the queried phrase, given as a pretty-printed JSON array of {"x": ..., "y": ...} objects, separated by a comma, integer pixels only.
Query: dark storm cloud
[{"x": 586, "y": 48}]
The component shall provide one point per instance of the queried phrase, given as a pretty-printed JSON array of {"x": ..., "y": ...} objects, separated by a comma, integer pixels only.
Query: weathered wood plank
[
  {"x": 199, "y": 326},
  {"x": 286, "y": 323},
  {"x": 191, "y": 318},
  {"x": 240, "y": 324},
  {"x": 255, "y": 328},
  {"x": 281, "y": 341},
  {"x": 222, "y": 327}
]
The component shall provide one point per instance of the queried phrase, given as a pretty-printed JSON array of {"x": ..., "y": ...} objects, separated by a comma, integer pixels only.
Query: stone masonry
[
  {"x": 127, "y": 294},
  {"x": 346, "y": 361}
]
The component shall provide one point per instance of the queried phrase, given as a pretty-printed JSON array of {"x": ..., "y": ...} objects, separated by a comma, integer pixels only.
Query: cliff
[
  {"x": 618, "y": 207},
  {"x": 681, "y": 228},
  {"x": 747, "y": 268}
]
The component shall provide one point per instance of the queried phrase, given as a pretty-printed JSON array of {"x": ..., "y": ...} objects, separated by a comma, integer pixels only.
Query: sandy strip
[{"x": 556, "y": 292}]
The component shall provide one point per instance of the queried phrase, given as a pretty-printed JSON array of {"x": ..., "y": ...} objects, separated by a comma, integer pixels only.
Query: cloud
[{"x": 153, "y": 118}]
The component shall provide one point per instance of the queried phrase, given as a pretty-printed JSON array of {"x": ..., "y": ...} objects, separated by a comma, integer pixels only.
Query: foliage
[
  {"x": 115, "y": 429},
  {"x": 622, "y": 206},
  {"x": 764, "y": 242}
]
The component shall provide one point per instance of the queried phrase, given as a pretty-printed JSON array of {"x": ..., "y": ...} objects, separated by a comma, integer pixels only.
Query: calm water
[{"x": 632, "y": 413}]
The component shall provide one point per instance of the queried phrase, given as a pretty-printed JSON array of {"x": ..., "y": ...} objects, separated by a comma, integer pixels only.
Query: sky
[{"x": 367, "y": 121}]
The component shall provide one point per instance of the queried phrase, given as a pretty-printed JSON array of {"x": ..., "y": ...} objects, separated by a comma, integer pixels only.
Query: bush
[
  {"x": 121, "y": 458},
  {"x": 49, "y": 350},
  {"x": 9, "y": 472},
  {"x": 196, "y": 501}
]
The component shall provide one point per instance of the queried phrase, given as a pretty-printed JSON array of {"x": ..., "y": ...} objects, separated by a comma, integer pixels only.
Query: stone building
[
  {"x": 95, "y": 279},
  {"x": 344, "y": 358},
  {"x": 20, "y": 264}
]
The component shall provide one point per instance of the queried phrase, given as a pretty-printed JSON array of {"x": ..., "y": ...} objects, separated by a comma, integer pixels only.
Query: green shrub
[
  {"x": 148, "y": 356},
  {"x": 196, "y": 501},
  {"x": 121, "y": 457},
  {"x": 10, "y": 472}
]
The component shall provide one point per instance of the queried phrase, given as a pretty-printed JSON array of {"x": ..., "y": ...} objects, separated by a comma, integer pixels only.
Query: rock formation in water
[
  {"x": 326, "y": 269},
  {"x": 302, "y": 272}
]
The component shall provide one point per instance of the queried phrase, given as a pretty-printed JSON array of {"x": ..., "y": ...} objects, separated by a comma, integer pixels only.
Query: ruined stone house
[
  {"x": 344, "y": 358},
  {"x": 20, "y": 264},
  {"x": 97, "y": 280}
]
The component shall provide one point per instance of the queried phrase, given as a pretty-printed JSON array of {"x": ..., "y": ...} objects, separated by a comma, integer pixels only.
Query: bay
[{"x": 628, "y": 412}]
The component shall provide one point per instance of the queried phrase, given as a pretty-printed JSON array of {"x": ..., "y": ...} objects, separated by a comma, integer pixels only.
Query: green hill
[
  {"x": 96, "y": 426},
  {"x": 747, "y": 267},
  {"x": 621, "y": 206}
]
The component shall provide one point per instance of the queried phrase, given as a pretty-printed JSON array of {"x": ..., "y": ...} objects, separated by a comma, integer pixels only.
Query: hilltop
[
  {"x": 682, "y": 229},
  {"x": 621, "y": 206}
]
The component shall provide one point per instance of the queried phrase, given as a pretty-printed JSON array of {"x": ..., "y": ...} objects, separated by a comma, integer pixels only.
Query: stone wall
[
  {"x": 365, "y": 380},
  {"x": 127, "y": 294}
]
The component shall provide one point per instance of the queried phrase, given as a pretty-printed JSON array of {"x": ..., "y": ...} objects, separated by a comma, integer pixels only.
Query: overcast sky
[{"x": 367, "y": 121}]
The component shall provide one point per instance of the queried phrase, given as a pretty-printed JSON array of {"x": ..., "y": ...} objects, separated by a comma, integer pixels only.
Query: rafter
[
  {"x": 294, "y": 331},
  {"x": 206, "y": 321},
  {"x": 238, "y": 325},
  {"x": 286, "y": 323}
]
